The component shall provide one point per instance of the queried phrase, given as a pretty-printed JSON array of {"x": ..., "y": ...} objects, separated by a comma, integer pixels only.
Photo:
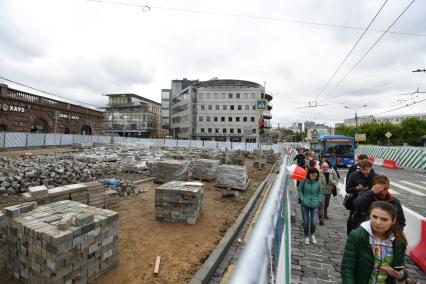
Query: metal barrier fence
[
  {"x": 266, "y": 257},
  {"x": 412, "y": 157},
  {"x": 26, "y": 140}
]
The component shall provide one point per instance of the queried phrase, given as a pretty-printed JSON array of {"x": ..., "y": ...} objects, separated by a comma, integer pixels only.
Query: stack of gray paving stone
[
  {"x": 111, "y": 199},
  {"x": 96, "y": 194},
  {"x": 78, "y": 192},
  {"x": 62, "y": 242},
  {"x": 204, "y": 169},
  {"x": 232, "y": 177},
  {"x": 179, "y": 202},
  {"x": 171, "y": 170}
]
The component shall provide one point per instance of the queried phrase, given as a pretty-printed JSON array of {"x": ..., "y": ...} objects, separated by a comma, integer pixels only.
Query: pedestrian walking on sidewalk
[
  {"x": 359, "y": 181},
  {"x": 309, "y": 192},
  {"x": 379, "y": 192},
  {"x": 328, "y": 179},
  {"x": 375, "y": 252},
  {"x": 355, "y": 167}
]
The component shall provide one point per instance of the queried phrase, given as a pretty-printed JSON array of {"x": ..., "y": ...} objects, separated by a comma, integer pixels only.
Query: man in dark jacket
[
  {"x": 379, "y": 191},
  {"x": 300, "y": 159},
  {"x": 361, "y": 180},
  {"x": 355, "y": 167}
]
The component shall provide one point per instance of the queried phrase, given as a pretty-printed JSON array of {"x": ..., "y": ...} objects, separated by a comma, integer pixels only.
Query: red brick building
[{"x": 25, "y": 112}]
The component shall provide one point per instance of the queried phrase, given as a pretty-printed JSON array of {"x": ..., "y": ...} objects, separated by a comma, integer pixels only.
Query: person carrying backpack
[
  {"x": 358, "y": 181},
  {"x": 310, "y": 193}
]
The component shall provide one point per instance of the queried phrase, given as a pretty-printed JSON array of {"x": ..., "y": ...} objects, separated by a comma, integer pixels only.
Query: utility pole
[{"x": 356, "y": 115}]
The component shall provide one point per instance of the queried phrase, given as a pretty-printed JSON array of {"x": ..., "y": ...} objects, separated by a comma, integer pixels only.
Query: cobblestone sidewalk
[{"x": 320, "y": 263}]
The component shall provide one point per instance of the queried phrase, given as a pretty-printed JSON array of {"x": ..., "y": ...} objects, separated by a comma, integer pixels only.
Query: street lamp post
[{"x": 356, "y": 115}]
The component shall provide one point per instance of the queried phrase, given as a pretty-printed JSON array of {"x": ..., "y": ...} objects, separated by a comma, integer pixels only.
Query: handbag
[
  {"x": 334, "y": 190},
  {"x": 348, "y": 201}
]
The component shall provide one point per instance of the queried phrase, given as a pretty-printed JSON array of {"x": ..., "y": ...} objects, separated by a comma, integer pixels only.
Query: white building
[
  {"x": 394, "y": 119},
  {"x": 219, "y": 110}
]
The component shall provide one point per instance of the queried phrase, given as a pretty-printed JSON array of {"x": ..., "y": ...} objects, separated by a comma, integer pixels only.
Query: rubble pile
[
  {"x": 232, "y": 177},
  {"x": 179, "y": 201},
  {"x": 62, "y": 242},
  {"x": 204, "y": 169},
  {"x": 125, "y": 188},
  {"x": 171, "y": 170},
  {"x": 17, "y": 175}
]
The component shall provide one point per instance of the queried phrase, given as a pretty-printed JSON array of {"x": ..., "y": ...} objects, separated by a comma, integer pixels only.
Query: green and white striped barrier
[{"x": 411, "y": 157}]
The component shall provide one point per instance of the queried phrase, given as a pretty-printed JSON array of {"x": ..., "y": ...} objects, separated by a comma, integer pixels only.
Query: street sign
[
  {"x": 388, "y": 134},
  {"x": 360, "y": 137},
  {"x": 261, "y": 105}
]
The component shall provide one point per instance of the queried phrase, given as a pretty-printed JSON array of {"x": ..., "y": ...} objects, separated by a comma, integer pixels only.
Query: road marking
[
  {"x": 413, "y": 184},
  {"x": 407, "y": 188},
  {"x": 424, "y": 182},
  {"x": 391, "y": 191}
]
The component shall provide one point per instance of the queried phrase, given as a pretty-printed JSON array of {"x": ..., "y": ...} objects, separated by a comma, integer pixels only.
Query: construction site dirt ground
[{"x": 182, "y": 247}]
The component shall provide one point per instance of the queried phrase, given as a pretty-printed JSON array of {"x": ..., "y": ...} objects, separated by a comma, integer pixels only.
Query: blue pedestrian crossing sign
[{"x": 261, "y": 105}]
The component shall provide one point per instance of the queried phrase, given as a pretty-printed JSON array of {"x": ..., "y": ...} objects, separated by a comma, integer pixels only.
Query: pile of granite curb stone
[{"x": 234, "y": 177}]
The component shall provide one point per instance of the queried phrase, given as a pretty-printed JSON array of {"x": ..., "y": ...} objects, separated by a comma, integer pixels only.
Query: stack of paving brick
[
  {"x": 111, "y": 199},
  {"x": 232, "y": 177},
  {"x": 171, "y": 170},
  {"x": 179, "y": 201},
  {"x": 204, "y": 169},
  {"x": 96, "y": 194},
  {"x": 78, "y": 192},
  {"x": 62, "y": 242},
  {"x": 39, "y": 193}
]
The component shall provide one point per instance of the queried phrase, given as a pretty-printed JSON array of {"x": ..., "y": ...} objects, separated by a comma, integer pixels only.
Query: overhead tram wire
[
  {"x": 48, "y": 93},
  {"x": 407, "y": 105},
  {"x": 147, "y": 8},
  {"x": 367, "y": 52},
  {"x": 350, "y": 51}
]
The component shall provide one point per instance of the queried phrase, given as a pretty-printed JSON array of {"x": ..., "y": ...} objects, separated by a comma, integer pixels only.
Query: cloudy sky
[{"x": 82, "y": 49}]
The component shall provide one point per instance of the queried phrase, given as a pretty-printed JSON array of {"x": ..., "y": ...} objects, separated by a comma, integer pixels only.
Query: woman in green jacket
[
  {"x": 375, "y": 252},
  {"x": 310, "y": 198}
]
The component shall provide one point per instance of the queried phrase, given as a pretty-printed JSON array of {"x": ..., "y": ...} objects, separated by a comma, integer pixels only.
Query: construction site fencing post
[{"x": 266, "y": 257}]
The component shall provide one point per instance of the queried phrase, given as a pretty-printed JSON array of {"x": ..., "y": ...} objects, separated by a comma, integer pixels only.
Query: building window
[
  {"x": 222, "y": 95},
  {"x": 247, "y": 107},
  {"x": 231, "y": 130},
  {"x": 216, "y": 130},
  {"x": 200, "y": 119},
  {"x": 222, "y": 118},
  {"x": 239, "y": 130},
  {"x": 230, "y": 119},
  {"x": 237, "y": 119},
  {"x": 200, "y": 95},
  {"x": 224, "y": 130},
  {"x": 253, "y": 131},
  {"x": 254, "y": 107},
  {"x": 237, "y": 95},
  {"x": 215, "y": 118},
  {"x": 245, "y": 119},
  {"x": 203, "y": 107},
  {"x": 217, "y": 107},
  {"x": 209, "y": 96},
  {"x": 232, "y": 107},
  {"x": 253, "y": 95},
  {"x": 202, "y": 130},
  {"x": 208, "y": 118},
  {"x": 230, "y": 95},
  {"x": 210, "y": 107},
  {"x": 245, "y": 96},
  {"x": 252, "y": 119},
  {"x": 240, "y": 107},
  {"x": 225, "y": 107},
  {"x": 216, "y": 96},
  {"x": 209, "y": 130}
]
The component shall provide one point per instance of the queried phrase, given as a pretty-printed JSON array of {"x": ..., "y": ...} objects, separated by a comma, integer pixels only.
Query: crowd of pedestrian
[{"x": 375, "y": 248}]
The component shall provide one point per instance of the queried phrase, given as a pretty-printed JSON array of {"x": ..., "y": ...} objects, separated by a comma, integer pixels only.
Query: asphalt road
[{"x": 408, "y": 185}]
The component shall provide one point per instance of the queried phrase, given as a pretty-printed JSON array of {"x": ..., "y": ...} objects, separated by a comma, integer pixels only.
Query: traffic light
[{"x": 261, "y": 126}]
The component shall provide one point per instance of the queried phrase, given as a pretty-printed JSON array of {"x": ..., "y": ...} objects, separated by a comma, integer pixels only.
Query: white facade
[
  {"x": 218, "y": 110},
  {"x": 394, "y": 119}
]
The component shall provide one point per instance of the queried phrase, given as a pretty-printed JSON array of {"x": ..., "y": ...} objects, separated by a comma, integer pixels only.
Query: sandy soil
[{"x": 183, "y": 248}]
